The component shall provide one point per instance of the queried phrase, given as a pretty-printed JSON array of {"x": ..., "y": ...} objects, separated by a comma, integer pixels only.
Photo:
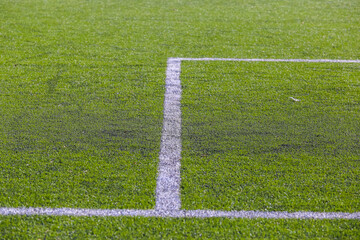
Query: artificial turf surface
[{"x": 81, "y": 95}]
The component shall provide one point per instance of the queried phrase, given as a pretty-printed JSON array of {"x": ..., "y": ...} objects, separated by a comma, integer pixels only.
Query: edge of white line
[
  {"x": 168, "y": 181},
  {"x": 268, "y": 60},
  {"x": 80, "y": 212}
]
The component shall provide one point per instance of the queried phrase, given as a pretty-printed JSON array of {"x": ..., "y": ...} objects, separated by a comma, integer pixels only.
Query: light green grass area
[
  {"x": 81, "y": 100},
  {"x": 43, "y": 227},
  {"x": 248, "y": 146}
]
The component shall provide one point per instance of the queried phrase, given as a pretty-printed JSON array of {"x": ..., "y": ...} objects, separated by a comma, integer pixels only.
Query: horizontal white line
[
  {"x": 268, "y": 60},
  {"x": 177, "y": 213}
]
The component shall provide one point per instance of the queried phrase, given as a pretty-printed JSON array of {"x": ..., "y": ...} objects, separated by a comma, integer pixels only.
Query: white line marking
[
  {"x": 176, "y": 213},
  {"x": 168, "y": 181}
]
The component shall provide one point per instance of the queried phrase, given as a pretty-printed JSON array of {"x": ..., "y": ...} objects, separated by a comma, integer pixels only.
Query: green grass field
[
  {"x": 248, "y": 146},
  {"x": 81, "y": 111}
]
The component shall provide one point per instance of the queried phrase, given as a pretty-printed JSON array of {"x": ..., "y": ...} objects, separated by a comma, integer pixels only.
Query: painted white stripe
[
  {"x": 78, "y": 212},
  {"x": 269, "y": 60},
  {"x": 168, "y": 181}
]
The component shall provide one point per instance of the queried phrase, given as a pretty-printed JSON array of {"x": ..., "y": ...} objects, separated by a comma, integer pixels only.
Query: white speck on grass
[{"x": 295, "y": 100}]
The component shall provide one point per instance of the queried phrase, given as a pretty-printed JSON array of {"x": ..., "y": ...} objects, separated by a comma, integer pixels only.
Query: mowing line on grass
[
  {"x": 168, "y": 181},
  {"x": 78, "y": 212}
]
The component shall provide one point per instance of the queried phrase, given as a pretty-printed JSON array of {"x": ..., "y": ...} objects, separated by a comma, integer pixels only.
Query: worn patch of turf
[
  {"x": 248, "y": 146},
  {"x": 79, "y": 136}
]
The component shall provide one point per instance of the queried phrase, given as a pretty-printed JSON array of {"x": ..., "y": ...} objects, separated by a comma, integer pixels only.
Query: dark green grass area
[
  {"x": 248, "y": 146},
  {"x": 79, "y": 136},
  {"x": 43, "y": 227}
]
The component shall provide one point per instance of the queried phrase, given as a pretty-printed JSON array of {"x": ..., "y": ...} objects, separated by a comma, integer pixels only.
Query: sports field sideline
[{"x": 179, "y": 119}]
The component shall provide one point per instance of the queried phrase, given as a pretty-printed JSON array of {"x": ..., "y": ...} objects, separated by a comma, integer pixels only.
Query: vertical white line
[{"x": 168, "y": 181}]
